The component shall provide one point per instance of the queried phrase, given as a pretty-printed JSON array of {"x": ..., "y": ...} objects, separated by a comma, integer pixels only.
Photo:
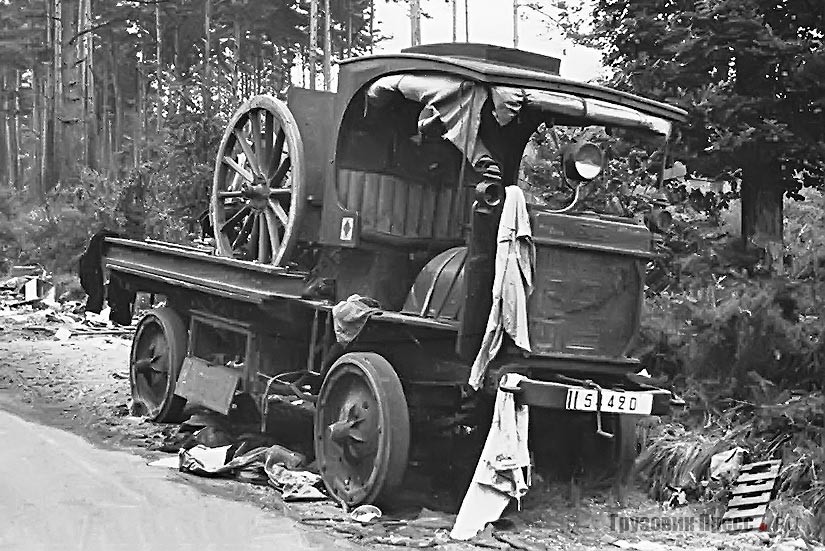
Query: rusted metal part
[
  {"x": 211, "y": 386},
  {"x": 438, "y": 291}
]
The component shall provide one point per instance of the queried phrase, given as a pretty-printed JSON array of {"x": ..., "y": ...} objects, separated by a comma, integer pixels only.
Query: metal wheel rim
[
  {"x": 150, "y": 365},
  {"x": 258, "y": 188},
  {"x": 353, "y": 458}
]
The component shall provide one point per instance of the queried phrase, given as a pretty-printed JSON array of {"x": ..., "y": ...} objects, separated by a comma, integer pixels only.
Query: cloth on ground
[
  {"x": 500, "y": 474},
  {"x": 275, "y": 461},
  {"x": 349, "y": 316},
  {"x": 294, "y": 485},
  {"x": 512, "y": 283},
  {"x": 215, "y": 461}
]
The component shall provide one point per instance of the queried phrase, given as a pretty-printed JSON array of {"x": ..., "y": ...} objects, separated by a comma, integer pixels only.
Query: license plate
[{"x": 585, "y": 399}]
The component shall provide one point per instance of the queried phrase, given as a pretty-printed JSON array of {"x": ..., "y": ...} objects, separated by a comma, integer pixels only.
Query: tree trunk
[
  {"x": 206, "y": 87},
  {"x": 158, "y": 70},
  {"x": 454, "y": 6},
  {"x": 313, "y": 42},
  {"x": 349, "y": 28},
  {"x": 35, "y": 126},
  {"x": 14, "y": 131},
  {"x": 372, "y": 26},
  {"x": 51, "y": 166},
  {"x": 139, "y": 132},
  {"x": 236, "y": 58},
  {"x": 415, "y": 22},
  {"x": 762, "y": 210},
  {"x": 117, "y": 127},
  {"x": 178, "y": 79},
  {"x": 256, "y": 75},
  {"x": 515, "y": 23},
  {"x": 327, "y": 46},
  {"x": 466, "y": 21},
  {"x": 70, "y": 149},
  {"x": 5, "y": 151},
  {"x": 86, "y": 44},
  {"x": 104, "y": 143}
]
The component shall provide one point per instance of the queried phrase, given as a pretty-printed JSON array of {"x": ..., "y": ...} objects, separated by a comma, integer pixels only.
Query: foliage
[
  {"x": 628, "y": 186},
  {"x": 750, "y": 73},
  {"x": 746, "y": 350},
  {"x": 133, "y": 146},
  {"x": 161, "y": 198},
  {"x": 774, "y": 425}
]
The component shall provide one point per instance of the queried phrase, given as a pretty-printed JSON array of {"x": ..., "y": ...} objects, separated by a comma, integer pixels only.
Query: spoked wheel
[
  {"x": 362, "y": 429},
  {"x": 258, "y": 192},
  {"x": 158, "y": 350}
]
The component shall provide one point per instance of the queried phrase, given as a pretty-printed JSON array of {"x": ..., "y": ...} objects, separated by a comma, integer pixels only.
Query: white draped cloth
[
  {"x": 503, "y": 470},
  {"x": 512, "y": 283}
]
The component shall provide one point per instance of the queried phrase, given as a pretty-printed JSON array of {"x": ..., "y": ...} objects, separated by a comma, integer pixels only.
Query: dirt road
[{"x": 60, "y": 492}]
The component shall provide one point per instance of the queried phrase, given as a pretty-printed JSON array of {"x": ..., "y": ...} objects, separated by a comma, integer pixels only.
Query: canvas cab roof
[{"x": 497, "y": 66}]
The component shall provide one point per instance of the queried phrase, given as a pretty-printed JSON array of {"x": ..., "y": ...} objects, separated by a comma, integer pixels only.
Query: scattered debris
[
  {"x": 725, "y": 466},
  {"x": 751, "y": 496},
  {"x": 365, "y": 514},
  {"x": 170, "y": 462}
]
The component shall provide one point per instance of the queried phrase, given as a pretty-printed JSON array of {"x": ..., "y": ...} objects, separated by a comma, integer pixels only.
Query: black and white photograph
[{"x": 373, "y": 275}]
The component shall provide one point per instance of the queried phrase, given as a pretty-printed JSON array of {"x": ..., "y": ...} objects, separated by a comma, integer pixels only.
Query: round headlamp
[{"x": 583, "y": 161}]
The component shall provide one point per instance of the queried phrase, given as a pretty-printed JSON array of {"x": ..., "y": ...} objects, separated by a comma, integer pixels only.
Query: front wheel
[{"x": 362, "y": 429}]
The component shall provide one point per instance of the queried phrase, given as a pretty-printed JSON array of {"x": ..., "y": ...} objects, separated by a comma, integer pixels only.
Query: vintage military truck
[{"x": 391, "y": 188}]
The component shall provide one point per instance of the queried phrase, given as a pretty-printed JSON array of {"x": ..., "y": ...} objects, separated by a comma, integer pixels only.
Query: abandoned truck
[{"x": 354, "y": 267}]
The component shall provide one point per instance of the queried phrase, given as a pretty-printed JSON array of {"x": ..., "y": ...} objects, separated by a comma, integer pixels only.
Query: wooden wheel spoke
[
  {"x": 279, "y": 212},
  {"x": 237, "y": 217},
  {"x": 260, "y": 153},
  {"x": 263, "y": 239},
  {"x": 269, "y": 130},
  {"x": 272, "y": 228},
  {"x": 230, "y": 194},
  {"x": 252, "y": 242},
  {"x": 247, "y": 149},
  {"x": 278, "y": 177},
  {"x": 243, "y": 235},
  {"x": 245, "y": 174},
  {"x": 277, "y": 151}
]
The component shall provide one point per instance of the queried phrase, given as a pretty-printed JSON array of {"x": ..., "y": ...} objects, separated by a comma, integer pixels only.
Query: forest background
[{"x": 111, "y": 113}]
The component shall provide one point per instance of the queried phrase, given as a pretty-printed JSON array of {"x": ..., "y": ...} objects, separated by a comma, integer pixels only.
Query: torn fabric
[
  {"x": 350, "y": 316},
  {"x": 512, "y": 283},
  {"x": 503, "y": 470},
  {"x": 457, "y": 103}
]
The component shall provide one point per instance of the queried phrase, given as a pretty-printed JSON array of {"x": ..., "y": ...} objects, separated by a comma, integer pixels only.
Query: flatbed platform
[{"x": 191, "y": 268}]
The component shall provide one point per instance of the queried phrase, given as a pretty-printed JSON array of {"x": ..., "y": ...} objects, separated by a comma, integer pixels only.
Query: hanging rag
[
  {"x": 500, "y": 474},
  {"x": 350, "y": 316},
  {"x": 512, "y": 283}
]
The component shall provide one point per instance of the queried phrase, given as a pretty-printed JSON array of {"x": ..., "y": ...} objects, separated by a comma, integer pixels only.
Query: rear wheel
[
  {"x": 158, "y": 350},
  {"x": 362, "y": 429}
]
